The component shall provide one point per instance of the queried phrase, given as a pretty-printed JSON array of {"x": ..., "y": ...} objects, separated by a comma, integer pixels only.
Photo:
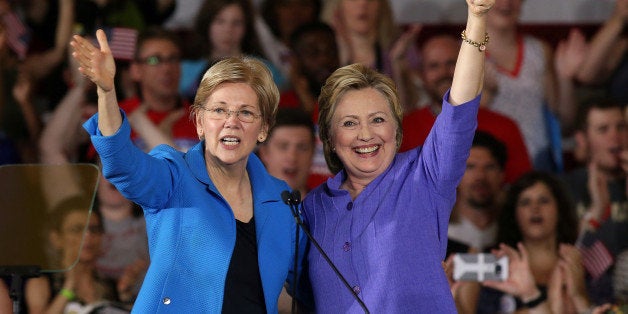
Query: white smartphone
[{"x": 480, "y": 267}]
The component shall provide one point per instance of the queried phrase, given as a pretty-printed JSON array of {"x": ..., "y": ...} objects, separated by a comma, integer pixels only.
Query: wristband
[
  {"x": 68, "y": 294},
  {"x": 532, "y": 303}
]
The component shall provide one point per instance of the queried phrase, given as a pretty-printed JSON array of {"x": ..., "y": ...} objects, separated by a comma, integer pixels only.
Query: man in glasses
[{"x": 158, "y": 114}]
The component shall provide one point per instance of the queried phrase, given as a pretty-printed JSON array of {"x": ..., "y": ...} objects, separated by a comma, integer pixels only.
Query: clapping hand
[
  {"x": 570, "y": 54},
  {"x": 97, "y": 64}
]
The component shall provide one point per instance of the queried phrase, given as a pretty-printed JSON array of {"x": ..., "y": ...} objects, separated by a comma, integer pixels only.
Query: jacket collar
[{"x": 261, "y": 182}]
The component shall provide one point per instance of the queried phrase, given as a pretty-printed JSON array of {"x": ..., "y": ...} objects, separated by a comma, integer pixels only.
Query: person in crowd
[
  {"x": 367, "y": 33},
  {"x": 73, "y": 229},
  {"x": 289, "y": 149},
  {"x": 124, "y": 255},
  {"x": 20, "y": 124},
  {"x": 380, "y": 203},
  {"x": 606, "y": 62},
  {"x": 528, "y": 90},
  {"x": 474, "y": 218},
  {"x": 41, "y": 60},
  {"x": 599, "y": 191},
  {"x": 216, "y": 204},
  {"x": 314, "y": 58},
  {"x": 156, "y": 70},
  {"x": 277, "y": 22},
  {"x": 436, "y": 71},
  {"x": 620, "y": 278},
  {"x": 287, "y": 155},
  {"x": 226, "y": 28},
  {"x": 537, "y": 232}
]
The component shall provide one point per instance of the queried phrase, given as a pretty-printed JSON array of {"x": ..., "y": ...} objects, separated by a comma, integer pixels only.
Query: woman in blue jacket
[{"x": 220, "y": 238}]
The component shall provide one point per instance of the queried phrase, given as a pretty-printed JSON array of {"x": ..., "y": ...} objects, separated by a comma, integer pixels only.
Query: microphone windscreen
[
  {"x": 296, "y": 196},
  {"x": 286, "y": 196}
]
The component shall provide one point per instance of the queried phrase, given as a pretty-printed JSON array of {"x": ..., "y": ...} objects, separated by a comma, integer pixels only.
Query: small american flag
[
  {"x": 18, "y": 35},
  {"x": 595, "y": 256},
  {"x": 121, "y": 42}
]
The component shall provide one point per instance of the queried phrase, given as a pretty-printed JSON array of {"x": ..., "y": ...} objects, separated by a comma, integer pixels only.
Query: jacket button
[
  {"x": 356, "y": 289},
  {"x": 166, "y": 300}
]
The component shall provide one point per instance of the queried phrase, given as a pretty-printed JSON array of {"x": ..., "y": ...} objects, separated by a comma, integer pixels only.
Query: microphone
[
  {"x": 286, "y": 196},
  {"x": 293, "y": 200}
]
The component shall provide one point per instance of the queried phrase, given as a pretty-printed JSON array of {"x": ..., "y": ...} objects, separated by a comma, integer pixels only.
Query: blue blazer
[{"x": 191, "y": 228}]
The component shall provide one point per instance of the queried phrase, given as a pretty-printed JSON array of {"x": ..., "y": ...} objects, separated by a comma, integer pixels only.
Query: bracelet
[
  {"x": 481, "y": 46},
  {"x": 532, "y": 303},
  {"x": 68, "y": 294}
]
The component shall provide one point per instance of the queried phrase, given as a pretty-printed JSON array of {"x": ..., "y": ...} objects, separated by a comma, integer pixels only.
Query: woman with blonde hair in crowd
[
  {"x": 367, "y": 33},
  {"x": 220, "y": 237}
]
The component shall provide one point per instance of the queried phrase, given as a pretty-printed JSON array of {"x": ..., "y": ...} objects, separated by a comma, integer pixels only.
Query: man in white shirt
[{"x": 474, "y": 219}]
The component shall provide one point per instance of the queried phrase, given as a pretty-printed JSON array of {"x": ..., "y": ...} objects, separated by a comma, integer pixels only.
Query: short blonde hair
[
  {"x": 241, "y": 70},
  {"x": 353, "y": 77}
]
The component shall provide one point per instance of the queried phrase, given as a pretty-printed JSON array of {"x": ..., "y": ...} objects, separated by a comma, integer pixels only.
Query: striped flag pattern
[
  {"x": 18, "y": 35},
  {"x": 595, "y": 256},
  {"x": 121, "y": 42}
]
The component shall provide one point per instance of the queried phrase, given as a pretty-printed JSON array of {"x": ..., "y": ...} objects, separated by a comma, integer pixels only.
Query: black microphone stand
[{"x": 293, "y": 200}]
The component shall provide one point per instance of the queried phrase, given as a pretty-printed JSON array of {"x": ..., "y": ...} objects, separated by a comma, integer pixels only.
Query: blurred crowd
[{"x": 545, "y": 182}]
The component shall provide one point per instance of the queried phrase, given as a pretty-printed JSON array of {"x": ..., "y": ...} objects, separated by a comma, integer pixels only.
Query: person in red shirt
[
  {"x": 436, "y": 70},
  {"x": 158, "y": 115}
]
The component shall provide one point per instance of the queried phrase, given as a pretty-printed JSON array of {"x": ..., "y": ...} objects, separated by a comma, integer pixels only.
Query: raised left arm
[{"x": 469, "y": 73}]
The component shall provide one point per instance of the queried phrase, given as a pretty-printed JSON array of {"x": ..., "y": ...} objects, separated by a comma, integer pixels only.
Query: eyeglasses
[
  {"x": 244, "y": 115},
  {"x": 157, "y": 60}
]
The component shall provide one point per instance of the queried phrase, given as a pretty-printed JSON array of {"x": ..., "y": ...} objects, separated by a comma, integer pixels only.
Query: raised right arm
[
  {"x": 604, "y": 52},
  {"x": 98, "y": 65}
]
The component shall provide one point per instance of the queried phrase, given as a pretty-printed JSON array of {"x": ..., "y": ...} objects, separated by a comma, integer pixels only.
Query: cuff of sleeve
[{"x": 109, "y": 145}]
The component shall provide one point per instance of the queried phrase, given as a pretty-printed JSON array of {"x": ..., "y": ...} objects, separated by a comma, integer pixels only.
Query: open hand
[
  {"x": 570, "y": 54},
  {"x": 97, "y": 64}
]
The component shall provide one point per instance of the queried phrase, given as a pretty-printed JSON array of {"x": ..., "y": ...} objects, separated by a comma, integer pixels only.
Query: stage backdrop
[{"x": 534, "y": 11}]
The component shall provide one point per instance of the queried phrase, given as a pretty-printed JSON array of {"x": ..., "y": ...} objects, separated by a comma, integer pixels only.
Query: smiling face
[
  {"x": 229, "y": 141},
  {"x": 537, "y": 213},
  {"x": 363, "y": 133}
]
